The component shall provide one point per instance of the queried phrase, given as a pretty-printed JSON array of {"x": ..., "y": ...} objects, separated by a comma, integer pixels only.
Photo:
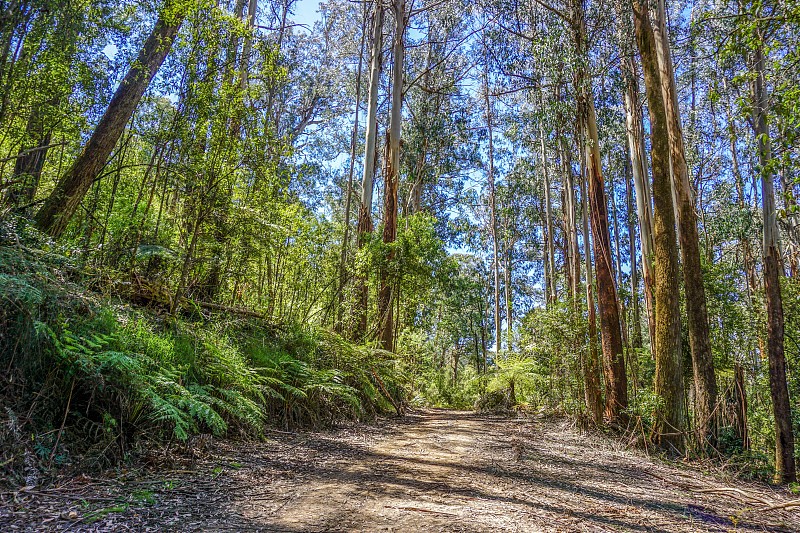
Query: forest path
[{"x": 439, "y": 471}]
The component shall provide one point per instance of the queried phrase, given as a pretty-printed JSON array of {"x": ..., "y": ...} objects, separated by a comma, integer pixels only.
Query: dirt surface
[{"x": 431, "y": 471}]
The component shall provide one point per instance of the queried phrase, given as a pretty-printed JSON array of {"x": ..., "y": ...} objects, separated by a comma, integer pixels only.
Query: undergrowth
[
  {"x": 515, "y": 382},
  {"x": 89, "y": 380}
]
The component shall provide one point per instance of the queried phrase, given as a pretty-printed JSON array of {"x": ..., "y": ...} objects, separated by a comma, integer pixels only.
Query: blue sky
[{"x": 306, "y": 12}]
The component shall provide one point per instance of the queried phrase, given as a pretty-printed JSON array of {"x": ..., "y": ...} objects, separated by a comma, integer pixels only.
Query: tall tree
[
  {"x": 492, "y": 206},
  {"x": 636, "y": 327},
  {"x": 390, "y": 206},
  {"x": 634, "y": 130},
  {"x": 670, "y": 418},
  {"x": 705, "y": 382},
  {"x": 370, "y": 155},
  {"x": 548, "y": 214},
  {"x": 593, "y": 395},
  {"x": 571, "y": 228},
  {"x": 350, "y": 174},
  {"x": 785, "y": 468},
  {"x": 616, "y": 380},
  {"x": 63, "y": 202}
]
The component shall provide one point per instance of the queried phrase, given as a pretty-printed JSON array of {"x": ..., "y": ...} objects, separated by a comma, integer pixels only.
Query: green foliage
[
  {"x": 555, "y": 339},
  {"x": 225, "y": 198},
  {"x": 318, "y": 377},
  {"x": 436, "y": 388},
  {"x": 121, "y": 375},
  {"x": 95, "y": 516},
  {"x": 643, "y": 407},
  {"x": 515, "y": 374},
  {"x": 133, "y": 367}
]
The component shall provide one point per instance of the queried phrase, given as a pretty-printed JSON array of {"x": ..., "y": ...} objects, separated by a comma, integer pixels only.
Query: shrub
[{"x": 96, "y": 378}]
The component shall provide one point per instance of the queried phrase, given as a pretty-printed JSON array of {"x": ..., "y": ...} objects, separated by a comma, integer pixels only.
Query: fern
[
  {"x": 176, "y": 382},
  {"x": 165, "y": 411}
]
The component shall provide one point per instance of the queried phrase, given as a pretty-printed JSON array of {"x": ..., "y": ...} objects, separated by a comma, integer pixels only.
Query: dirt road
[{"x": 440, "y": 471}]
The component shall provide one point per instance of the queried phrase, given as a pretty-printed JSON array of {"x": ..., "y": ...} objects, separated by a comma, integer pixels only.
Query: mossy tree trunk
[
  {"x": 705, "y": 381},
  {"x": 670, "y": 416}
]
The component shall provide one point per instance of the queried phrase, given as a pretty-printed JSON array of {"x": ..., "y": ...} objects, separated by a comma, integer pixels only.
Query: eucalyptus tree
[
  {"x": 572, "y": 258},
  {"x": 370, "y": 152},
  {"x": 634, "y": 128},
  {"x": 758, "y": 53},
  {"x": 492, "y": 190},
  {"x": 551, "y": 292},
  {"x": 608, "y": 303},
  {"x": 57, "y": 210},
  {"x": 348, "y": 194},
  {"x": 785, "y": 467},
  {"x": 401, "y": 15},
  {"x": 636, "y": 328},
  {"x": 591, "y": 366},
  {"x": 533, "y": 29},
  {"x": 444, "y": 34},
  {"x": 702, "y": 360},
  {"x": 521, "y": 208},
  {"x": 436, "y": 133},
  {"x": 441, "y": 35},
  {"x": 438, "y": 142},
  {"x": 670, "y": 416}
]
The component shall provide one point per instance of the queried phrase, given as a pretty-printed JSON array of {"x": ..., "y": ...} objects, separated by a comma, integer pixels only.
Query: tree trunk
[
  {"x": 635, "y": 133},
  {"x": 705, "y": 381},
  {"x": 349, "y": 192},
  {"x": 748, "y": 258},
  {"x": 548, "y": 213},
  {"x": 63, "y": 202},
  {"x": 785, "y": 471},
  {"x": 244, "y": 59},
  {"x": 611, "y": 333},
  {"x": 30, "y": 160},
  {"x": 548, "y": 276},
  {"x": 574, "y": 266},
  {"x": 591, "y": 367},
  {"x": 740, "y": 402},
  {"x": 608, "y": 303},
  {"x": 508, "y": 293},
  {"x": 365, "y": 210},
  {"x": 636, "y": 332},
  {"x": 385, "y": 309},
  {"x": 492, "y": 214},
  {"x": 615, "y": 218},
  {"x": 790, "y": 206},
  {"x": 414, "y": 204},
  {"x": 393, "y": 174},
  {"x": 670, "y": 416}
]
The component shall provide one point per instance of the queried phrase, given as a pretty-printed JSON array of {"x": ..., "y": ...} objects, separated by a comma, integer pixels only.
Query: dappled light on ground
[{"x": 440, "y": 471}]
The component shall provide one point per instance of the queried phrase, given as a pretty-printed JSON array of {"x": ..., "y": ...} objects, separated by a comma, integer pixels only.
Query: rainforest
[{"x": 366, "y": 265}]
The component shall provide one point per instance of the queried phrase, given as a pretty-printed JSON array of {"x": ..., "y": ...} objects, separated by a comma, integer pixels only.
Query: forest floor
[{"x": 429, "y": 471}]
